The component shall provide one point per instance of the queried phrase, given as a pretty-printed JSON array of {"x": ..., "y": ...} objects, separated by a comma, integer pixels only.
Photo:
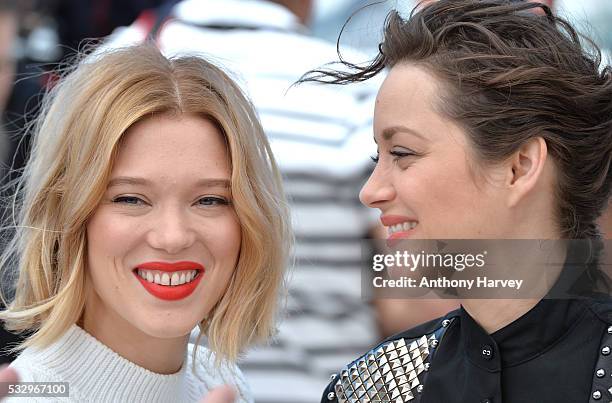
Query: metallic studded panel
[
  {"x": 390, "y": 373},
  {"x": 601, "y": 390}
]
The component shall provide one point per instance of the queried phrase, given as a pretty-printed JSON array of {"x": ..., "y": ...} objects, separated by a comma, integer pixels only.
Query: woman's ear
[{"x": 526, "y": 167}]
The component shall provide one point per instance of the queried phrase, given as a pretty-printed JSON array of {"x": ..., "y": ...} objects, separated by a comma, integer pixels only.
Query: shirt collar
[
  {"x": 525, "y": 338},
  {"x": 254, "y": 14}
]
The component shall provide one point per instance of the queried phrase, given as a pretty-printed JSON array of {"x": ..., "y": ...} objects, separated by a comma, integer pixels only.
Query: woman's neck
[
  {"x": 494, "y": 314},
  {"x": 537, "y": 265},
  {"x": 158, "y": 355}
]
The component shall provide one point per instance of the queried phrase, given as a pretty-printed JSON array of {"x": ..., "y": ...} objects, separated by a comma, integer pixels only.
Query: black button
[
  {"x": 487, "y": 352},
  {"x": 486, "y": 401}
]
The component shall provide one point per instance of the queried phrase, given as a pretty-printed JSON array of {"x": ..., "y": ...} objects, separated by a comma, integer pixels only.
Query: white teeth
[
  {"x": 162, "y": 278},
  {"x": 402, "y": 227}
]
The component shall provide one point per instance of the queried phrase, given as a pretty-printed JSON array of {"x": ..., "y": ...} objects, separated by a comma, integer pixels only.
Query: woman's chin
[{"x": 167, "y": 330}]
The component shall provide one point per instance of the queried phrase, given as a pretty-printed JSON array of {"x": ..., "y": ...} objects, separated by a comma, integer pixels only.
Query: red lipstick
[{"x": 171, "y": 292}]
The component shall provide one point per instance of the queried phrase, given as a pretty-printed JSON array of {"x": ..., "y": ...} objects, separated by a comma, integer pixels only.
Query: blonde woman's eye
[
  {"x": 213, "y": 201},
  {"x": 129, "y": 200}
]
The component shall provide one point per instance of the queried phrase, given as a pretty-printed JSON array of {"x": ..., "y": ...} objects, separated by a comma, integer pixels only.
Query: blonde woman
[{"x": 151, "y": 204}]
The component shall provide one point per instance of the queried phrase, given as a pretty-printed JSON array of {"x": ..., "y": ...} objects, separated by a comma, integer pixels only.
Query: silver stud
[
  {"x": 605, "y": 350},
  {"x": 331, "y": 396},
  {"x": 597, "y": 395},
  {"x": 434, "y": 343},
  {"x": 446, "y": 322},
  {"x": 609, "y": 329},
  {"x": 420, "y": 388},
  {"x": 332, "y": 377},
  {"x": 426, "y": 366},
  {"x": 600, "y": 373}
]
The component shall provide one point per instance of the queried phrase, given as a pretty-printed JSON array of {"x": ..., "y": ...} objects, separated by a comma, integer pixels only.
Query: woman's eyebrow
[
  {"x": 219, "y": 183},
  {"x": 389, "y": 132},
  {"x": 127, "y": 180},
  {"x": 130, "y": 180}
]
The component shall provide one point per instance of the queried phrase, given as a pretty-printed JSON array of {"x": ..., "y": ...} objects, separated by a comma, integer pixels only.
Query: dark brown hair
[{"x": 511, "y": 75}]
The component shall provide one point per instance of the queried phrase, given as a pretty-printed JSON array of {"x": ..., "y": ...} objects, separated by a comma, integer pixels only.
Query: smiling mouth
[
  {"x": 399, "y": 231},
  {"x": 401, "y": 227},
  {"x": 168, "y": 279}
]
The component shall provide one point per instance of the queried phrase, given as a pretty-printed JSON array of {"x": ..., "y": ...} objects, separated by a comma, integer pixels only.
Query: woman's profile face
[
  {"x": 164, "y": 241},
  {"x": 423, "y": 183}
]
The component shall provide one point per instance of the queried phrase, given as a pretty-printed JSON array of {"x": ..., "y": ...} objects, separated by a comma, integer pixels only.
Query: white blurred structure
[{"x": 593, "y": 17}]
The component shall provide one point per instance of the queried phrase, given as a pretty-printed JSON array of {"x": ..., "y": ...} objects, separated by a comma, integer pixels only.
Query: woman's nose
[
  {"x": 378, "y": 190},
  {"x": 171, "y": 232}
]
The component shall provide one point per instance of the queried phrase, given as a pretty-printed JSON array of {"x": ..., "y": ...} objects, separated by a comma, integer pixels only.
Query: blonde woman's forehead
[{"x": 170, "y": 148}]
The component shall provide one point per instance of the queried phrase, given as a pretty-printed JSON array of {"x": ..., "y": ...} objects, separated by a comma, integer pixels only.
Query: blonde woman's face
[{"x": 164, "y": 241}]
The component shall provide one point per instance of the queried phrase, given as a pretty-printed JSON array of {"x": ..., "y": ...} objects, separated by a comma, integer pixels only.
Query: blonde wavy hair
[{"x": 75, "y": 144}]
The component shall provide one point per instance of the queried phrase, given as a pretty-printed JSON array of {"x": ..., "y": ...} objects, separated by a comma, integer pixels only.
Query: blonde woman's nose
[{"x": 171, "y": 232}]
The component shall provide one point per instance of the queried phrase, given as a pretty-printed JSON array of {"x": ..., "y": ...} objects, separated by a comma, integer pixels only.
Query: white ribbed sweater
[{"x": 95, "y": 373}]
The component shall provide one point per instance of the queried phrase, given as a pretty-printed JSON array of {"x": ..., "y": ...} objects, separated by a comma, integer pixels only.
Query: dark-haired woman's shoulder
[
  {"x": 396, "y": 367},
  {"x": 602, "y": 307},
  {"x": 454, "y": 359}
]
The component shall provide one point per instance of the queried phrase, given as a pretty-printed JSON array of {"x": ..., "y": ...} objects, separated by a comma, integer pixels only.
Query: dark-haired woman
[{"x": 494, "y": 122}]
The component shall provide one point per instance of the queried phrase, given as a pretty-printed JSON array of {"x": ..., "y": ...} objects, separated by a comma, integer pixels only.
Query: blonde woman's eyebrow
[{"x": 129, "y": 180}]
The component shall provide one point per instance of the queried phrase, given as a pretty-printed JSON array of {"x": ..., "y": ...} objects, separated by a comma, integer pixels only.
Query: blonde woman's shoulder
[
  {"x": 31, "y": 369},
  {"x": 210, "y": 375}
]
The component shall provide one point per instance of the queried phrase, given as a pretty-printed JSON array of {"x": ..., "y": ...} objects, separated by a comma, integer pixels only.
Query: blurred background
[
  {"x": 41, "y": 33},
  {"x": 37, "y": 36}
]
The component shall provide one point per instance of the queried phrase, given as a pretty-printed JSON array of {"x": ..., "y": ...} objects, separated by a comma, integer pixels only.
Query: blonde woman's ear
[
  {"x": 222, "y": 394},
  {"x": 9, "y": 375}
]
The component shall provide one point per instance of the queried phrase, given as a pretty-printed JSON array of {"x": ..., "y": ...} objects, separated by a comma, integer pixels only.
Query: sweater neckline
[{"x": 91, "y": 368}]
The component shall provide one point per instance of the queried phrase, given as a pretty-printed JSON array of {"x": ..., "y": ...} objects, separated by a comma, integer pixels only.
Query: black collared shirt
[{"x": 547, "y": 355}]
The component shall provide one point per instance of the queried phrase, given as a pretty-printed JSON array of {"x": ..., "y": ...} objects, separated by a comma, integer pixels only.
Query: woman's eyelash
[
  {"x": 203, "y": 201},
  {"x": 396, "y": 154},
  {"x": 128, "y": 200},
  {"x": 400, "y": 154},
  {"x": 211, "y": 201}
]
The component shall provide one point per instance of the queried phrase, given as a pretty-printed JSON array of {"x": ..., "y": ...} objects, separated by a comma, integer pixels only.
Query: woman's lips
[
  {"x": 171, "y": 267},
  {"x": 404, "y": 227},
  {"x": 396, "y": 237},
  {"x": 170, "y": 292},
  {"x": 389, "y": 220},
  {"x": 401, "y": 234}
]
